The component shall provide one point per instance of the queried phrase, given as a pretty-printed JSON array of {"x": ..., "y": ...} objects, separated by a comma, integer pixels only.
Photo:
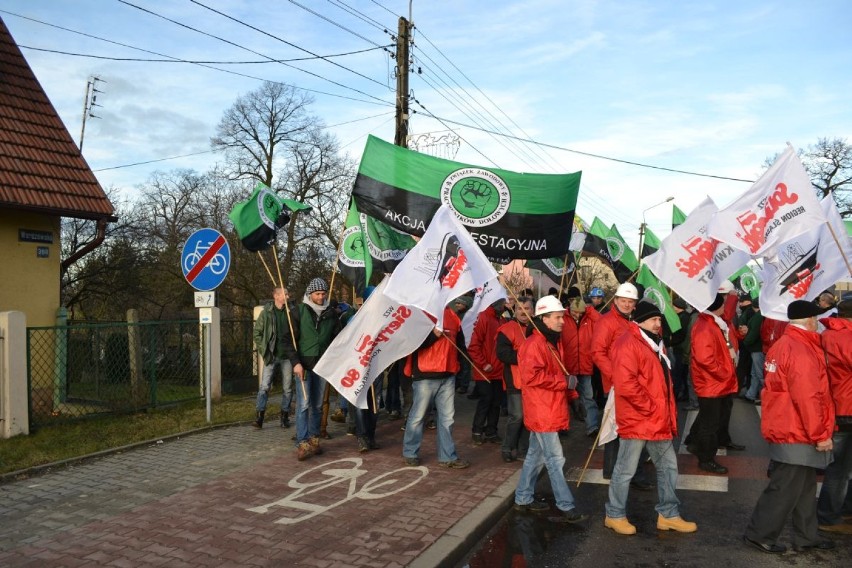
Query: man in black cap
[
  {"x": 798, "y": 422},
  {"x": 754, "y": 344}
]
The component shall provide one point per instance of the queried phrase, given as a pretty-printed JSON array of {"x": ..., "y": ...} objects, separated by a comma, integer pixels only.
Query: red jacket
[
  {"x": 713, "y": 372},
  {"x": 606, "y": 330},
  {"x": 545, "y": 392},
  {"x": 771, "y": 331},
  {"x": 644, "y": 399},
  {"x": 483, "y": 345},
  {"x": 510, "y": 336},
  {"x": 577, "y": 342},
  {"x": 797, "y": 405},
  {"x": 440, "y": 358},
  {"x": 837, "y": 343}
]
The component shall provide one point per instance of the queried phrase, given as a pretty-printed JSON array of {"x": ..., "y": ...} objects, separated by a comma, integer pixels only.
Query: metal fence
[{"x": 75, "y": 371}]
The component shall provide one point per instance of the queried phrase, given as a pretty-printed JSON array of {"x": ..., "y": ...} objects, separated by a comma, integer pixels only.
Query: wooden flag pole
[
  {"x": 277, "y": 265},
  {"x": 840, "y": 248},
  {"x": 336, "y": 259},
  {"x": 266, "y": 266},
  {"x": 463, "y": 354},
  {"x": 594, "y": 446},
  {"x": 562, "y": 278},
  {"x": 549, "y": 346}
]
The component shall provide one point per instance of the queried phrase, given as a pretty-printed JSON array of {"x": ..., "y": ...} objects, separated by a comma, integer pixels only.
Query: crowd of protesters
[{"x": 540, "y": 363}]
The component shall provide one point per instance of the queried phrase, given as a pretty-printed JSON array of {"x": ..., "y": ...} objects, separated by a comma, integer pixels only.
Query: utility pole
[
  {"x": 402, "y": 63},
  {"x": 89, "y": 103}
]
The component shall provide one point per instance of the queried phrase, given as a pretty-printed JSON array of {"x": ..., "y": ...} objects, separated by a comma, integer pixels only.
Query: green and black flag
[
  {"x": 510, "y": 215},
  {"x": 657, "y": 293},
  {"x": 555, "y": 268},
  {"x": 624, "y": 262},
  {"x": 650, "y": 242},
  {"x": 354, "y": 260},
  {"x": 387, "y": 246},
  {"x": 258, "y": 218},
  {"x": 678, "y": 216},
  {"x": 745, "y": 280},
  {"x": 596, "y": 244}
]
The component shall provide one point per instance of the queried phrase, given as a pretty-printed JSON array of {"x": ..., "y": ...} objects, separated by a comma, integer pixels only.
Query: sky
[{"x": 712, "y": 88}]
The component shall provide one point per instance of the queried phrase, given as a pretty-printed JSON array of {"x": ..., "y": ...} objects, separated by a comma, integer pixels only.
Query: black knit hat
[
  {"x": 646, "y": 310},
  {"x": 717, "y": 303},
  {"x": 802, "y": 309}
]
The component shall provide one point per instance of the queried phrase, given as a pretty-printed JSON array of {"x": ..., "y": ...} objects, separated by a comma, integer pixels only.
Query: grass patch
[{"x": 74, "y": 439}]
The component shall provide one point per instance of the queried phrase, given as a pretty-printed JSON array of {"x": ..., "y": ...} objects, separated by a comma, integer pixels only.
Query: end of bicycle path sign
[{"x": 205, "y": 259}]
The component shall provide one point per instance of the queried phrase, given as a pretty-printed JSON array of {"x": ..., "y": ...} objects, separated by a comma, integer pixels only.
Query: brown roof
[{"x": 41, "y": 168}]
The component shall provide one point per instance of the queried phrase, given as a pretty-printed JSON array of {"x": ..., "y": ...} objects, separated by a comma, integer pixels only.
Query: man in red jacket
[
  {"x": 577, "y": 349},
  {"x": 715, "y": 379},
  {"x": 646, "y": 415},
  {"x": 488, "y": 373},
  {"x": 798, "y": 422},
  {"x": 546, "y": 392},
  {"x": 510, "y": 337},
  {"x": 837, "y": 343}
]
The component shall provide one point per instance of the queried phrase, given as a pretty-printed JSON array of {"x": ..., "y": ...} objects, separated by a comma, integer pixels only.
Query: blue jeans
[
  {"x": 835, "y": 485},
  {"x": 663, "y": 455},
  {"x": 266, "y": 384},
  {"x": 425, "y": 391},
  {"x": 587, "y": 397},
  {"x": 309, "y": 413},
  {"x": 757, "y": 360},
  {"x": 545, "y": 451}
]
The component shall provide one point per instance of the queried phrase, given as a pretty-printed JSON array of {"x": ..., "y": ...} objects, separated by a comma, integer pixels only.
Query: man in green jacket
[
  {"x": 318, "y": 325},
  {"x": 273, "y": 341}
]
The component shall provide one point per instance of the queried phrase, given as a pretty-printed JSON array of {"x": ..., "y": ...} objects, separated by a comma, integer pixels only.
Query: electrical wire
[
  {"x": 385, "y": 8},
  {"x": 332, "y": 22},
  {"x": 358, "y": 14}
]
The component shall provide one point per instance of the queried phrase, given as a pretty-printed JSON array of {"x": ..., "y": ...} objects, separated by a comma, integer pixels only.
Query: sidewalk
[{"x": 238, "y": 497}]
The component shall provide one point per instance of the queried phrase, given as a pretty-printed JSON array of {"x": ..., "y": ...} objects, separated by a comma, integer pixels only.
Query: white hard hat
[
  {"x": 726, "y": 287},
  {"x": 627, "y": 290},
  {"x": 548, "y": 304}
]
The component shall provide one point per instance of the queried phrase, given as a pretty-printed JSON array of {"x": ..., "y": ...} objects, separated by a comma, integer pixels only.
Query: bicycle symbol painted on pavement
[
  {"x": 334, "y": 483},
  {"x": 217, "y": 264}
]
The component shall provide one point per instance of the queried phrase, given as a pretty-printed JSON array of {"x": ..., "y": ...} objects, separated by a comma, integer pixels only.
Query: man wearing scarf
[
  {"x": 318, "y": 324},
  {"x": 713, "y": 367},
  {"x": 798, "y": 422},
  {"x": 646, "y": 415}
]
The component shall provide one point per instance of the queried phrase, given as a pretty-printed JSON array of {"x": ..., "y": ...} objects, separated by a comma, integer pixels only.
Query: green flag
[
  {"x": 596, "y": 244},
  {"x": 624, "y": 262},
  {"x": 746, "y": 280},
  {"x": 678, "y": 216},
  {"x": 354, "y": 260},
  {"x": 555, "y": 268},
  {"x": 657, "y": 293},
  {"x": 387, "y": 246},
  {"x": 848, "y": 227},
  {"x": 258, "y": 218},
  {"x": 510, "y": 215},
  {"x": 650, "y": 242}
]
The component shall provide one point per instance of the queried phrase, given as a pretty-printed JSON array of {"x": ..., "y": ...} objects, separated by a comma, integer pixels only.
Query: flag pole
[
  {"x": 336, "y": 260},
  {"x": 549, "y": 346},
  {"x": 562, "y": 279},
  {"x": 594, "y": 446},
  {"x": 277, "y": 265},
  {"x": 463, "y": 354},
  {"x": 840, "y": 248},
  {"x": 266, "y": 266}
]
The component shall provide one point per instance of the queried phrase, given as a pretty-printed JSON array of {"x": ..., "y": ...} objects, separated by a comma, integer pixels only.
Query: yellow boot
[
  {"x": 675, "y": 524},
  {"x": 621, "y": 526}
]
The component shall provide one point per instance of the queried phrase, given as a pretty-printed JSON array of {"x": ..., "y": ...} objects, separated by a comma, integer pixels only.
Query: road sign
[
  {"x": 205, "y": 299},
  {"x": 205, "y": 259}
]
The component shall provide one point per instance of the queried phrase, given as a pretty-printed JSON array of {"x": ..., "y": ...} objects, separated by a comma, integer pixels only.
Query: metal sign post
[{"x": 205, "y": 261}]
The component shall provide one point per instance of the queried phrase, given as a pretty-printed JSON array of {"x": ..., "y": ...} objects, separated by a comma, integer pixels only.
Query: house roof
[{"x": 41, "y": 168}]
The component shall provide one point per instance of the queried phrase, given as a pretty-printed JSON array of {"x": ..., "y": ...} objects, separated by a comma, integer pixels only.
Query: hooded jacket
[
  {"x": 607, "y": 329},
  {"x": 510, "y": 336},
  {"x": 483, "y": 345},
  {"x": 837, "y": 343},
  {"x": 437, "y": 357},
  {"x": 577, "y": 341},
  {"x": 644, "y": 399},
  {"x": 545, "y": 393}
]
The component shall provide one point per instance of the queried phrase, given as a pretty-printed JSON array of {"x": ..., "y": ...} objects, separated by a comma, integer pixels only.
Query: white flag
[
  {"x": 805, "y": 265},
  {"x": 609, "y": 427},
  {"x": 445, "y": 264},
  {"x": 779, "y": 206},
  {"x": 486, "y": 295},
  {"x": 693, "y": 264},
  {"x": 381, "y": 332}
]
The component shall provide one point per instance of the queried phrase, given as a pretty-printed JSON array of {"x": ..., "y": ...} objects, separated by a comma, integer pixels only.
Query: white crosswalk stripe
[{"x": 689, "y": 482}]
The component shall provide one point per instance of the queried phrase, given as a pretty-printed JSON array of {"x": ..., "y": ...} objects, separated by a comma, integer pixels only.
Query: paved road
[
  {"x": 721, "y": 505},
  {"x": 238, "y": 497}
]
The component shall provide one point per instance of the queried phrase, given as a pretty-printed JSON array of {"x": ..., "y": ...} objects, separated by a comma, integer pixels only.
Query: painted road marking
[{"x": 685, "y": 481}]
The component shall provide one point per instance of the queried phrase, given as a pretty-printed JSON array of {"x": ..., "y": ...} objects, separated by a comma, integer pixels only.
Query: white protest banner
[
  {"x": 445, "y": 264},
  {"x": 485, "y": 295},
  {"x": 693, "y": 264},
  {"x": 381, "y": 332}
]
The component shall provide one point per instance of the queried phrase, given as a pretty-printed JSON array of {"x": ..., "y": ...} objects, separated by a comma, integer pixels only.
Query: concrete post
[
  {"x": 60, "y": 359},
  {"x": 14, "y": 403},
  {"x": 215, "y": 355},
  {"x": 134, "y": 349}
]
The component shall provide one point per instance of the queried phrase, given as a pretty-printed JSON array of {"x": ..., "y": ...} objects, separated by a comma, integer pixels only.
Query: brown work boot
[
  {"x": 621, "y": 526},
  {"x": 675, "y": 524},
  {"x": 315, "y": 445},
  {"x": 304, "y": 451},
  {"x": 338, "y": 416}
]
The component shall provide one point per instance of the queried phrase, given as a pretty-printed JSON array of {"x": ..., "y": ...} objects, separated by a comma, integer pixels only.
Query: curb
[
  {"x": 461, "y": 538},
  {"x": 44, "y": 468}
]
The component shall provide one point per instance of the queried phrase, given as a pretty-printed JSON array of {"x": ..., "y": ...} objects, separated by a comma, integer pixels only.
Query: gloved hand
[{"x": 572, "y": 382}]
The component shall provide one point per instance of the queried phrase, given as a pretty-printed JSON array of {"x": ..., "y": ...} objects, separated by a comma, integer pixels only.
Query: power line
[
  {"x": 84, "y": 34},
  {"x": 195, "y": 62},
  {"x": 428, "y": 113},
  {"x": 385, "y": 8},
  {"x": 332, "y": 22},
  {"x": 359, "y": 14}
]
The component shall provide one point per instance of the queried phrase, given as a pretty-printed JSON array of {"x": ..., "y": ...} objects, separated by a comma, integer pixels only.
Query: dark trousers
[
  {"x": 517, "y": 436},
  {"x": 365, "y": 420},
  {"x": 791, "y": 490},
  {"x": 463, "y": 376},
  {"x": 744, "y": 368},
  {"x": 487, "y": 407},
  {"x": 710, "y": 429},
  {"x": 392, "y": 393}
]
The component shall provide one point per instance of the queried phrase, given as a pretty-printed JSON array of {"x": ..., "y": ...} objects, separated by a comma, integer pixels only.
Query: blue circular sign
[{"x": 205, "y": 259}]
